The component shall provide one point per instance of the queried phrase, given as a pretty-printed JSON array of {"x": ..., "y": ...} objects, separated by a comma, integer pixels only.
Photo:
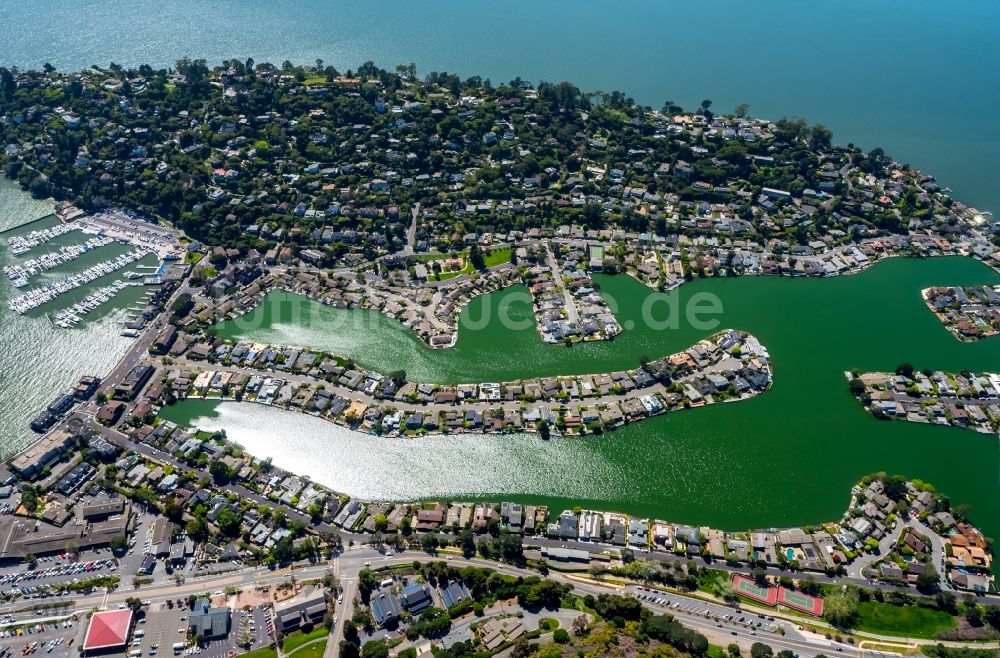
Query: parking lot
[
  {"x": 164, "y": 625},
  {"x": 52, "y": 639},
  {"x": 723, "y": 616},
  {"x": 255, "y": 623},
  {"x": 55, "y": 570},
  {"x": 159, "y": 629}
]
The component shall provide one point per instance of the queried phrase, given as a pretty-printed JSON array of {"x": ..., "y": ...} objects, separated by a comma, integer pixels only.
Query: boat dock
[
  {"x": 19, "y": 274},
  {"x": 22, "y": 244},
  {"x": 71, "y": 316},
  {"x": 38, "y": 296}
]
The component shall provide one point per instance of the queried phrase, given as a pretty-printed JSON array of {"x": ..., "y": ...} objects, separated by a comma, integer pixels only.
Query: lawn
[
  {"x": 314, "y": 650},
  {"x": 297, "y": 639},
  {"x": 906, "y": 621},
  {"x": 263, "y": 652},
  {"x": 466, "y": 269},
  {"x": 715, "y": 651},
  {"x": 548, "y": 623},
  {"x": 497, "y": 257}
]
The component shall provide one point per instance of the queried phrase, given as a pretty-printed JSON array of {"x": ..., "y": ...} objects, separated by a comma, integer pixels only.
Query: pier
[
  {"x": 22, "y": 244},
  {"x": 19, "y": 274},
  {"x": 71, "y": 316},
  {"x": 38, "y": 296}
]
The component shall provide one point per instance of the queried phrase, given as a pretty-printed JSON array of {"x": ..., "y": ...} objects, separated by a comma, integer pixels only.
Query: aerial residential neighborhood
[{"x": 196, "y": 199}]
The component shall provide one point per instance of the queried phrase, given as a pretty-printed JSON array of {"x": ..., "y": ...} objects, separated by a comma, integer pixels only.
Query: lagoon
[{"x": 787, "y": 457}]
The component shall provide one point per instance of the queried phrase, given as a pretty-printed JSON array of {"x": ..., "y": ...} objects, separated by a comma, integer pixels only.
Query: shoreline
[
  {"x": 244, "y": 306},
  {"x": 370, "y": 402}
]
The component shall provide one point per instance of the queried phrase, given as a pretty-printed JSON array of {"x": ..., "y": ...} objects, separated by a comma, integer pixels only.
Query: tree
[
  {"x": 560, "y": 636},
  {"x": 429, "y": 542},
  {"x": 543, "y": 429},
  {"x": 761, "y": 650},
  {"x": 476, "y": 258},
  {"x": 220, "y": 472},
  {"x": 228, "y": 522},
  {"x": 375, "y": 649},
  {"x": 29, "y": 499},
  {"x": 468, "y": 543},
  {"x": 905, "y": 369},
  {"x": 841, "y": 608},
  {"x": 118, "y": 543},
  {"x": 929, "y": 582},
  {"x": 857, "y": 387},
  {"x": 349, "y": 650}
]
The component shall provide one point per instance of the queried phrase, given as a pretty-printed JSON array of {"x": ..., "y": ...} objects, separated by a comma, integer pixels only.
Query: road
[
  {"x": 571, "y": 312},
  {"x": 690, "y": 610},
  {"x": 858, "y": 567}
]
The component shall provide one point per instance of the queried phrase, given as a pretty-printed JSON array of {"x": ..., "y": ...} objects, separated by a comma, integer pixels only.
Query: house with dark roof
[
  {"x": 385, "y": 608},
  {"x": 454, "y": 593},
  {"x": 207, "y": 623},
  {"x": 304, "y": 608},
  {"x": 415, "y": 597}
]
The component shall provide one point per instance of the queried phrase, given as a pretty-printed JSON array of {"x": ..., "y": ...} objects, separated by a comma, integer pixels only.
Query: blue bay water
[{"x": 918, "y": 78}]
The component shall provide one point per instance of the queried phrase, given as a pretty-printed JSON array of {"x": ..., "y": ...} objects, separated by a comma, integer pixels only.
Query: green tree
[
  {"x": 841, "y": 608},
  {"x": 228, "y": 522},
  {"x": 375, "y": 649},
  {"x": 929, "y": 582}
]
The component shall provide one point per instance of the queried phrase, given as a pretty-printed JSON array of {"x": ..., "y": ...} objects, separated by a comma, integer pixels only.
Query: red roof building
[{"x": 107, "y": 631}]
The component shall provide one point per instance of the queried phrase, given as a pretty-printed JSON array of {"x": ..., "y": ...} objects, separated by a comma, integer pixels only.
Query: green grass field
[
  {"x": 906, "y": 621},
  {"x": 263, "y": 652},
  {"x": 297, "y": 639},
  {"x": 314, "y": 650},
  {"x": 466, "y": 269},
  {"x": 497, "y": 257}
]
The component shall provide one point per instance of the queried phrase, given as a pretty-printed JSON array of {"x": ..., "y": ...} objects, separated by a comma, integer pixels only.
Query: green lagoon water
[
  {"x": 788, "y": 456},
  {"x": 912, "y": 76}
]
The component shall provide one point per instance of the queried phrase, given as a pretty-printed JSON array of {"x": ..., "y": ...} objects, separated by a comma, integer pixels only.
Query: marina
[
  {"x": 20, "y": 274},
  {"x": 22, "y": 244},
  {"x": 39, "y": 296},
  {"x": 72, "y": 316}
]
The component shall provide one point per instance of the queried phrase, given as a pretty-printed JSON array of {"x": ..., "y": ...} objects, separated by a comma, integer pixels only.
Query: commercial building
[
  {"x": 30, "y": 461},
  {"x": 207, "y": 623},
  {"x": 308, "y": 607},
  {"x": 108, "y": 632},
  {"x": 137, "y": 377}
]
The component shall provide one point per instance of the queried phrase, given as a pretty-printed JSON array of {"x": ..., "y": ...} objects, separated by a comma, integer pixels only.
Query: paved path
[{"x": 571, "y": 312}]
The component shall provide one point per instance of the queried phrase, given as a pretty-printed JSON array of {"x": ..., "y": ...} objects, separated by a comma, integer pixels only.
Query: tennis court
[
  {"x": 803, "y": 602},
  {"x": 748, "y": 588}
]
